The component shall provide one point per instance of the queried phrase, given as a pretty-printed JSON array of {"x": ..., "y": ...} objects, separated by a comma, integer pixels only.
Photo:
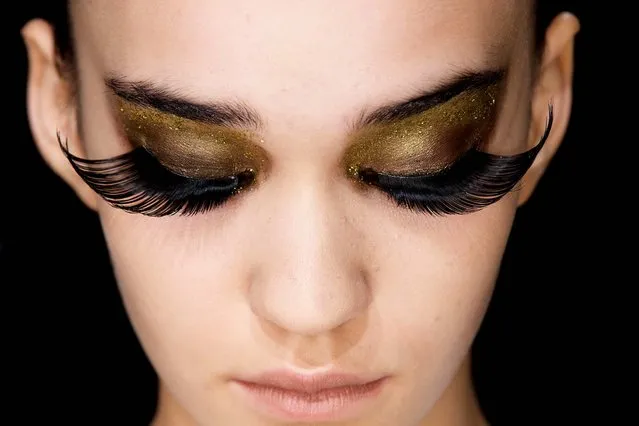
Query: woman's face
[{"x": 306, "y": 271}]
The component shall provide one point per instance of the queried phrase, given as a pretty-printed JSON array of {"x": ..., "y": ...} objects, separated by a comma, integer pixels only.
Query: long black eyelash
[
  {"x": 137, "y": 183},
  {"x": 473, "y": 182}
]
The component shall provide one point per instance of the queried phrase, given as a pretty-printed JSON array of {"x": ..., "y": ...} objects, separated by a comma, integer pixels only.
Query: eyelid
[
  {"x": 188, "y": 148},
  {"x": 137, "y": 183},
  {"x": 476, "y": 180},
  {"x": 426, "y": 142}
]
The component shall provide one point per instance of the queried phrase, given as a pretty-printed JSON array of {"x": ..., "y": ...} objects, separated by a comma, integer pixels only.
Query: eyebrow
[
  {"x": 237, "y": 114},
  {"x": 151, "y": 95},
  {"x": 460, "y": 83}
]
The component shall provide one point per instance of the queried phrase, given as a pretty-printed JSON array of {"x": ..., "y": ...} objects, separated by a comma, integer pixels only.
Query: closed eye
[
  {"x": 476, "y": 180},
  {"x": 137, "y": 182}
]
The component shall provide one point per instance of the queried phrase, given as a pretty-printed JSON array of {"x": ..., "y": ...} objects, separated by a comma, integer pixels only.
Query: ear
[
  {"x": 553, "y": 85},
  {"x": 51, "y": 106}
]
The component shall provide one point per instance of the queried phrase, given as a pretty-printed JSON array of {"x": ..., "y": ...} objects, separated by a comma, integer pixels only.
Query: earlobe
[
  {"x": 50, "y": 105},
  {"x": 553, "y": 86}
]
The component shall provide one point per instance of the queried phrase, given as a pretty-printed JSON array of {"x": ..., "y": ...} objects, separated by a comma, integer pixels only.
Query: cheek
[
  {"x": 433, "y": 286},
  {"x": 178, "y": 277}
]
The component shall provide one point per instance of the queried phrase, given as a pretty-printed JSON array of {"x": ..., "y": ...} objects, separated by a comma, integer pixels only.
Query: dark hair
[{"x": 57, "y": 13}]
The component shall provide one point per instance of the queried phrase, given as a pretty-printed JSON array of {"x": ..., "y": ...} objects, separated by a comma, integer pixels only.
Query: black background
[{"x": 74, "y": 355}]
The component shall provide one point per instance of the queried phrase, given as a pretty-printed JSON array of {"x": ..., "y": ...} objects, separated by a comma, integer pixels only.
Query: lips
[
  {"x": 288, "y": 395},
  {"x": 312, "y": 383}
]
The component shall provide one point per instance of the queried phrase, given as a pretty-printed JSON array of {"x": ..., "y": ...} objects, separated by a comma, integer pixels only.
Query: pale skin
[{"x": 353, "y": 280}]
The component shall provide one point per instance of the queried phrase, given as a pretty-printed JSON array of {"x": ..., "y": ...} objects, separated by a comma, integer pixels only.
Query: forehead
[{"x": 315, "y": 49}]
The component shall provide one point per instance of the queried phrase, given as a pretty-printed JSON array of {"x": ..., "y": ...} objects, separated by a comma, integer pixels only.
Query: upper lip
[{"x": 307, "y": 383}]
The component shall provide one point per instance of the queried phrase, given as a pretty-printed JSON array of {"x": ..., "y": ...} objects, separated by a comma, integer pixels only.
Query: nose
[{"x": 309, "y": 278}]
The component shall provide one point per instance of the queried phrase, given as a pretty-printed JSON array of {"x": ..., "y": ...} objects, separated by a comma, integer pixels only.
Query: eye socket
[
  {"x": 474, "y": 181},
  {"x": 137, "y": 182}
]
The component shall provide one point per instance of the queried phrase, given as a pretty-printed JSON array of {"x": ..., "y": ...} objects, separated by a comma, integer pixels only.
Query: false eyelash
[
  {"x": 474, "y": 181},
  {"x": 137, "y": 183}
]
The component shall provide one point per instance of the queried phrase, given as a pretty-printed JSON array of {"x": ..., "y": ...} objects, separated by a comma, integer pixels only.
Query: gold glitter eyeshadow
[
  {"x": 428, "y": 142},
  {"x": 190, "y": 148}
]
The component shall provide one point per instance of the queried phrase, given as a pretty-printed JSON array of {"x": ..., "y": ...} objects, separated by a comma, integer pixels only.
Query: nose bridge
[{"x": 309, "y": 279}]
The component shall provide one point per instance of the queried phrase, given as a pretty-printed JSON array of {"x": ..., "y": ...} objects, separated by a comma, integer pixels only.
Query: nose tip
[{"x": 310, "y": 306}]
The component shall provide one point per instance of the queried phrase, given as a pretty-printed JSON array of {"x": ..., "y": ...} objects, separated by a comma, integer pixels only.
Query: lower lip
[{"x": 329, "y": 405}]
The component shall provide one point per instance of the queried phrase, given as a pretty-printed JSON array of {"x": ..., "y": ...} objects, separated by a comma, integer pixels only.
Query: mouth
[{"x": 291, "y": 396}]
